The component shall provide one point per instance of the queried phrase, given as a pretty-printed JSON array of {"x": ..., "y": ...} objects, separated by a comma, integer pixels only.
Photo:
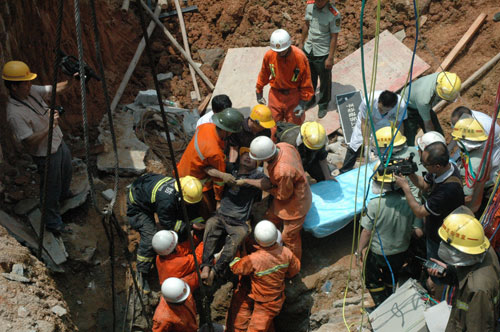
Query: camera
[
  {"x": 398, "y": 166},
  {"x": 59, "y": 110}
]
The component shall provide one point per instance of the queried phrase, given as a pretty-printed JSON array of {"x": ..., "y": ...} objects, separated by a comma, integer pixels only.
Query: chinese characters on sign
[{"x": 348, "y": 106}]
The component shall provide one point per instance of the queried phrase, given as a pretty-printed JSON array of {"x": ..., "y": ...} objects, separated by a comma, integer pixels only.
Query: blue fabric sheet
[{"x": 333, "y": 202}]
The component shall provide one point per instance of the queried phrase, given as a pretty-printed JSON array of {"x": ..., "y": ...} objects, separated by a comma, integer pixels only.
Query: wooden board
[
  {"x": 54, "y": 246},
  {"x": 462, "y": 42},
  {"x": 394, "y": 60}
]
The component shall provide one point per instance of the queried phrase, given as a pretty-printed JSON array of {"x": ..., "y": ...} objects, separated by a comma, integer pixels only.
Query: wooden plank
[
  {"x": 54, "y": 247},
  {"x": 204, "y": 104},
  {"x": 462, "y": 42}
]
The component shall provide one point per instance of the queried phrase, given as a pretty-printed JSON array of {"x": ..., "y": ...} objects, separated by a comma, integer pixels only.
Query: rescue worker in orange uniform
[
  {"x": 292, "y": 196},
  {"x": 177, "y": 309},
  {"x": 267, "y": 267},
  {"x": 205, "y": 160},
  {"x": 286, "y": 68},
  {"x": 175, "y": 259}
]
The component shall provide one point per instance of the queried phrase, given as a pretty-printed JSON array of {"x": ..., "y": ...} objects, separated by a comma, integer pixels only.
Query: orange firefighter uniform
[
  {"x": 268, "y": 268},
  {"x": 205, "y": 149},
  {"x": 290, "y": 80},
  {"x": 180, "y": 264},
  {"x": 292, "y": 196},
  {"x": 175, "y": 317}
]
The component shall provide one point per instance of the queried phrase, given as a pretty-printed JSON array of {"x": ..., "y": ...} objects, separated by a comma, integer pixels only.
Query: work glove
[
  {"x": 228, "y": 178},
  {"x": 260, "y": 98},
  {"x": 300, "y": 109}
]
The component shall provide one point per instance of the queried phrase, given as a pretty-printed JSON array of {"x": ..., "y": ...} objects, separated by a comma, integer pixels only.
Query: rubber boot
[{"x": 143, "y": 283}]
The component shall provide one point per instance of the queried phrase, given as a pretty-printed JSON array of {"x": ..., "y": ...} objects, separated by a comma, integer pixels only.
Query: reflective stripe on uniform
[
  {"x": 219, "y": 183},
  {"x": 271, "y": 270},
  {"x": 197, "y": 147},
  {"x": 197, "y": 220},
  {"x": 157, "y": 186},
  {"x": 235, "y": 260},
  {"x": 375, "y": 290},
  {"x": 144, "y": 259},
  {"x": 178, "y": 225},
  {"x": 271, "y": 68},
  {"x": 131, "y": 196},
  {"x": 462, "y": 305},
  {"x": 495, "y": 299}
]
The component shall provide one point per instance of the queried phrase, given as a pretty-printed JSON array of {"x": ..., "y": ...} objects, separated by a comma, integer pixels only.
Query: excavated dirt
[{"x": 28, "y": 34}]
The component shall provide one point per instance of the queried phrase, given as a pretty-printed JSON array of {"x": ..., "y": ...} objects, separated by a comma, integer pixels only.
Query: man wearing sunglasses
[{"x": 445, "y": 194}]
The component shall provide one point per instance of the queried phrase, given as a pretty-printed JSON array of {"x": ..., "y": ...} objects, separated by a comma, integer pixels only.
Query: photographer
[
  {"x": 28, "y": 116},
  {"x": 446, "y": 194}
]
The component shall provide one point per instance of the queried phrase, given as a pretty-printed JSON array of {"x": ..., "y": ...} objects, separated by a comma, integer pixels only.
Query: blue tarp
[{"x": 333, "y": 202}]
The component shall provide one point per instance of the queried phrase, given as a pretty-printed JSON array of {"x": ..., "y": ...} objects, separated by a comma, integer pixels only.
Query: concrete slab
[
  {"x": 54, "y": 247},
  {"x": 131, "y": 150},
  {"x": 238, "y": 77},
  {"x": 394, "y": 60}
]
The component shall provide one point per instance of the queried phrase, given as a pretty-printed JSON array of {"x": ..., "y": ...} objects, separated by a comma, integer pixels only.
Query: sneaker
[{"x": 322, "y": 113}]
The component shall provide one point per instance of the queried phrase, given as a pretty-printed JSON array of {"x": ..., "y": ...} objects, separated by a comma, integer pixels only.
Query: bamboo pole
[
  {"x": 133, "y": 63},
  {"x": 465, "y": 85},
  {"x": 186, "y": 48},
  {"x": 178, "y": 46}
]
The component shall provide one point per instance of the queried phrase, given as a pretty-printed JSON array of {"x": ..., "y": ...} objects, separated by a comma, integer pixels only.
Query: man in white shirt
[
  {"x": 387, "y": 108},
  {"x": 219, "y": 103},
  {"x": 28, "y": 117}
]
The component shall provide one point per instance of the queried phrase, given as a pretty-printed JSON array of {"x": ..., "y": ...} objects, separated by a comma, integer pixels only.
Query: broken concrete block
[
  {"x": 147, "y": 97},
  {"x": 26, "y": 206},
  {"x": 193, "y": 95},
  {"x": 44, "y": 326},
  {"x": 400, "y": 35},
  {"x": 59, "y": 311},
  {"x": 108, "y": 194},
  {"x": 18, "y": 269},
  {"x": 131, "y": 150},
  {"x": 15, "y": 277},
  {"x": 22, "y": 312},
  {"x": 74, "y": 202},
  {"x": 164, "y": 76}
]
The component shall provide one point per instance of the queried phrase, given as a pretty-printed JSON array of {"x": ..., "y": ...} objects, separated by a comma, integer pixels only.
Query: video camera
[
  {"x": 398, "y": 166},
  {"x": 70, "y": 65}
]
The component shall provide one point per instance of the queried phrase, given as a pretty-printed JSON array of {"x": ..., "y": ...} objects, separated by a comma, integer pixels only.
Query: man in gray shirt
[{"x": 319, "y": 42}]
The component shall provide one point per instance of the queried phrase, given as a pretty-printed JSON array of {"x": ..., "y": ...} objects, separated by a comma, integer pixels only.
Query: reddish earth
[{"x": 28, "y": 34}]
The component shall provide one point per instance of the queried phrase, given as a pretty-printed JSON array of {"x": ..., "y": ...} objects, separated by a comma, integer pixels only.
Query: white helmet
[
  {"x": 429, "y": 138},
  {"x": 174, "y": 290},
  {"x": 265, "y": 233},
  {"x": 262, "y": 148},
  {"x": 280, "y": 40},
  {"x": 279, "y": 240},
  {"x": 164, "y": 242}
]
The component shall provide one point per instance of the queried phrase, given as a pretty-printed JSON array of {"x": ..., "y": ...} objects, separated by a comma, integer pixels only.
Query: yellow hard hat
[
  {"x": 17, "y": 71},
  {"x": 384, "y": 136},
  {"x": 387, "y": 178},
  {"x": 469, "y": 129},
  {"x": 263, "y": 115},
  {"x": 313, "y": 135},
  {"x": 448, "y": 85},
  {"x": 464, "y": 232},
  {"x": 192, "y": 190}
]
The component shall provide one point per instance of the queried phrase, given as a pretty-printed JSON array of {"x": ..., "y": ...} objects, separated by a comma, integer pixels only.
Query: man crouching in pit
[{"x": 231, "y": 218}]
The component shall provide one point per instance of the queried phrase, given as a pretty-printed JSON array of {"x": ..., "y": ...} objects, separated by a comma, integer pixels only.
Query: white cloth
[
  {"x": 379, "y": 120},
  {"x": 206, "y": 118},
  {"x": 485, "y": 121}
]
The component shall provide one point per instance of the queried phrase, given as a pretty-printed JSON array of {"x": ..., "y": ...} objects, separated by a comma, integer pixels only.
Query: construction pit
[{"x": 76, "y": 294}]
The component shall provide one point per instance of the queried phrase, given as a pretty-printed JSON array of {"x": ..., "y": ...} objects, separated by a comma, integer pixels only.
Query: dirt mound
[{"x": 29, "y": 300}]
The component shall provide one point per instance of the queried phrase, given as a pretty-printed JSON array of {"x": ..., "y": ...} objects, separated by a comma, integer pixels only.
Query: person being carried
[
  {"x": 267, "y": 267},
  {"x": 310, "y": 140},
  {"x": 231, "y": 219},
  {"x": 175, "y": 259},
  {"x": 155, "y": 194}
]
